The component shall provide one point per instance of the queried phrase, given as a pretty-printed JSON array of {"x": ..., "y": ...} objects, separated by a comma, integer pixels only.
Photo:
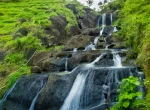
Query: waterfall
[
  {"x": 117, "y": 60},
  {"x": 111, "y": 18},
  {"x": 66, "y": 65},
  {"x": 72, "y": 102},
  {"x": 90, "y": 47},
  {"x": 101, "y": 31},
  {"x": 104, "y": 20},
  {"x": 115, "y": 29},
  {"x": 74, "y": 51},
  {"x": 98, "y": 22},
  {"x": 96, "y": 41},
  {"x": 98, "y": 58},
  {"x": 36, "y": 97},
  {"x": 7, "y": 93}
]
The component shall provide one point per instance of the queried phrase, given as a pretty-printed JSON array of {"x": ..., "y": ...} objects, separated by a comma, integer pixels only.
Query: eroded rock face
[
  {"x": 91, "y": 31},
  {"x": 78, "y": 41},
  {"x": 58, "y": 87}
]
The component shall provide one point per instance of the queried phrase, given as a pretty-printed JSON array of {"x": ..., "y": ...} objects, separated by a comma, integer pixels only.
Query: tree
[{"x": 89, "y": 2}]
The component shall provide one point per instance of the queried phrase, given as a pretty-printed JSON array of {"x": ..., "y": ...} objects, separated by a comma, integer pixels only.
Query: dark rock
[
  {"x": 22, "y": 20},
  {"x": 73, "y": 8},
  {"x": 23, "y": 31},
  {"x": 74, "y": 30},
  {"x": 82, "y": 57},
  {"x": 91, "y": 31},
  {"x": 107, "y": 31},
  {"x": 74, "y": 42},
  {"x": 24, "y": 92}
]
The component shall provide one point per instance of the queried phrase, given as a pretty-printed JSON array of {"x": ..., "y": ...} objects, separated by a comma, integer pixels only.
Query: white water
[
  {"x": 35, "y": 99},
  {"x": 101, "y": 31},
  {"x": 72, "y": 102},
  {"x": 115, "y": 29},
  {"x": 90, "y": 47},
  {"x": 96, "y": 41},
  {"x": 74, "y": 51},
  {"x": 111, "y": 18},
  {"x": 117, "y": 60},
  {"x": 97, "y": 59},
  {"x": 6, "y": 95},
  {"x": 104, "y": 20},
  {"x": 66, "y": 65}
]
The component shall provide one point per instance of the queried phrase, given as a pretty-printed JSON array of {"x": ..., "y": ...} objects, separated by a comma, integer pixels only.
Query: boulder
[
  {"x": 74, "y": 30},
  {"x": 91, "y": 31},
  {"x": 74, "y": 42},
  {"x": 72, "y": 7},
  {"x": 36, "y": 69}
]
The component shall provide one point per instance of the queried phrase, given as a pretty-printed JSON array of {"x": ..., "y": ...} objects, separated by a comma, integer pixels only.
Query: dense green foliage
[
  {"x": 134, "y": 20},
  {"x": 129, "y": 98},
  {"x": 31, "y": 16}
]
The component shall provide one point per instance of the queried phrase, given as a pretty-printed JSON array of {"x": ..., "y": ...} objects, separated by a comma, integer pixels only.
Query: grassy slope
[
  {"x": 36, "y": 14},
  {"x": 134, "y": 19}
]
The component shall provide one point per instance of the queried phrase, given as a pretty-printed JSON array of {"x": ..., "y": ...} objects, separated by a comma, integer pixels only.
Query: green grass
[{"x": 32, "y": 15}]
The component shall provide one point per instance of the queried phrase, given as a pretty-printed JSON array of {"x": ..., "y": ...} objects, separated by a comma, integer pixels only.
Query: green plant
[{"x": 129, "y": 97}]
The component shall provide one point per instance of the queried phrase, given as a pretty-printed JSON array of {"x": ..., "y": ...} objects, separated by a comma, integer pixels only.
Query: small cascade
[
  {"x": 111, "y": 18},
  {"x": 98, "y": 22},
  {"x": 90, "y": 47},
  {"x": 115, "y": 29},
  {"x": 72, "y": 102},
  {"x": 74, "y": 51},
  {"x": 101, "y": 31},
  {"x": 6, "y": 94},
  {"x": 66, "y": 65},
  {"x": 96, "y": 41},
  {"x": 107, "y": 47},
  {"x": 117, "y": 60},
  {"x": 141, "y": 87},
  {"x": 36, "y": 97},
  {"x": 98, "y": 58},
  {"x": 104, "y": 20}
]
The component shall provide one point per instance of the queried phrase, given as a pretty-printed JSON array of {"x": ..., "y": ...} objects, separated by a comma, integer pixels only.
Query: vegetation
[
  {"x": 133, "y": 18},
  {"x": 21, "y": 21},
  {"x": 129, "y": 98}
]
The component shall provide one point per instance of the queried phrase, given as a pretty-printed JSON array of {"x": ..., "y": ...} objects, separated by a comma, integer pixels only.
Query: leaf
[{"x": 126, "y": 104}]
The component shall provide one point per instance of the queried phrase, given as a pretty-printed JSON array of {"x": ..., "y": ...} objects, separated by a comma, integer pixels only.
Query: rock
[
  {"x": 58, "y": 29},
  {"x": 52, "y": 64},
  {"x": 39, "y": 58},
  {"x": 23, "y": 31},
  {"x": 22, "y": 20},
  {"x": 62, "y": 54},
  {"x": 106, "y": 60},
  {"x": 107, "y": 31},
  {"x": 36, "y": 69},
  {"x": 24, "y": 92},
  {"x": 82, "y": 57},
  {"x": 74, "y": 42},
  {"x": 88, "y": 20},
  {"x": 91, "y": 31},
  {"x": 72, "y": 7},
  {"x": 74, "y": 30}
]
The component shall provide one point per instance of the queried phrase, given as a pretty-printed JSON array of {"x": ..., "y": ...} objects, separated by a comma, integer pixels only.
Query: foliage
[{"x": 129, "y": 98}]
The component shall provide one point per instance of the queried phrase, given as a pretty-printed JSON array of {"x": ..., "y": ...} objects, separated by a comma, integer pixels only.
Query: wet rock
[
  {"x": 107, "y": 31},
  {"x": 24, "y": 92},
  {"x": 82, "y": 57},
  {"x": 74, "y": 42}
]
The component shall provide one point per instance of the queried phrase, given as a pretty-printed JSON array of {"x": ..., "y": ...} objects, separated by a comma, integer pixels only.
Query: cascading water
[
  {"x": 117, "y": 60},
  {"x": 90, "y": 47},
  {"x": 97, "y": 59},
  {"x": 111, "y": 18},
  {"x": 96, "y": 41},
  {"x": 36, "y": 97},
  {"x": 104, "y": 20},
  {"x": 72, "y": 102},
  {"x": 115, "y": 29},
  {"x": 74, "y": 51},
  {"x": 6, "y": 94},
  {"x": 66, "y": 65}
]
